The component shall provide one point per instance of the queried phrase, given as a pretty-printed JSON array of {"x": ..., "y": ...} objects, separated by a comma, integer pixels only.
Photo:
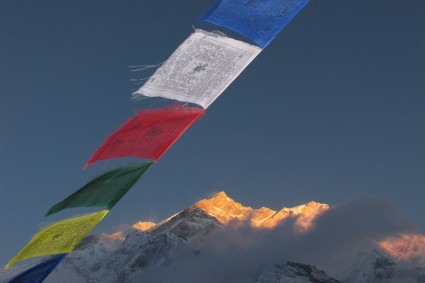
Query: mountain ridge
[{"x": 196, "y": 239}]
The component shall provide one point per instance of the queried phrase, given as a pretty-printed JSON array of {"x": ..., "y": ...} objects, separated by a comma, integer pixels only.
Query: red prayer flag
[{"x": 149, "y": 134}]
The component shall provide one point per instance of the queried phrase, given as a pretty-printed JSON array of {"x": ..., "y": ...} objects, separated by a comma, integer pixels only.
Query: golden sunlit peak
[
  {"x": 143, "y": 226},
  {"x": 404, "y": 246},
  {"x": 305, "y": 214},
  {"x": 261, "y": 216},
  {"x": 306, "y": 209},
  {"x": 223, "y": 208},
  {"x": 220, "y": 195},
  {"x": 120, "y": 235},
  {"x": 117, "y": 236}
]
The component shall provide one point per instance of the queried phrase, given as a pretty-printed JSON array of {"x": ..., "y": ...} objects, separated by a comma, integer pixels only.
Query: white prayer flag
[{"x": 201, "y": 68}]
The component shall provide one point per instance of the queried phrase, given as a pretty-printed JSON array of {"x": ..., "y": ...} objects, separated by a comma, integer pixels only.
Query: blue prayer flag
[
  {"x": 258, "y": 20},
  {"x": 39, "y": 272}
]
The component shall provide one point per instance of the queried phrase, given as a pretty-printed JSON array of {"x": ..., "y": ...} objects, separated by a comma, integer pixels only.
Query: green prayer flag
[{"x": 105, "y": 190}]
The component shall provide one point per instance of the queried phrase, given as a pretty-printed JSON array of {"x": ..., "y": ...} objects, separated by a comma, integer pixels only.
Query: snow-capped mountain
[
  {"x": 377, "y": 266},
  {"x": 294, "y": 272},
  {"x": 220, "y": 240}
]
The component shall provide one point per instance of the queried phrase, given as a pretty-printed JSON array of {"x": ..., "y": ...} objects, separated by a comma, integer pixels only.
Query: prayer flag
[
  {"x": 39, "y": 272},
  {"x": 258, "y": 20},
  {"x": 149, "y": 134},
  {"x": 105, "y": 190},
  {"x": 200, "y": 69},
  {"x": 60, "y": 237}
]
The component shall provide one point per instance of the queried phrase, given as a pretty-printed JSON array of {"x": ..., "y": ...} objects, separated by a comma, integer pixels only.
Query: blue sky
[{"x": 331, "y": 110}]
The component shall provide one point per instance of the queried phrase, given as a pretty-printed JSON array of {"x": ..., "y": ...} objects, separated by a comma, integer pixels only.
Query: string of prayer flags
[
  {"x": 60, "y": 237},
  {"x": 258, "y": 20},
  {"x": 200, "y": 69},
  {"x": 149, "y": 134},
  {"x": 104, "y": 190},
  {"x": 39, "y": 272}
]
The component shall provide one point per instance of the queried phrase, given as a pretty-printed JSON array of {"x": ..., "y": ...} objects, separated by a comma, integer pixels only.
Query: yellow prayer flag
[{"x": 60, "y": 237}]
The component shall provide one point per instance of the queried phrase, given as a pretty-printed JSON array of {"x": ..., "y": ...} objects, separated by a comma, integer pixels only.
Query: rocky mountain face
[
  {"x": 294, "y": 272},
  {"x": 377, "y": 266},
  {"x": 147, "y": 250}
]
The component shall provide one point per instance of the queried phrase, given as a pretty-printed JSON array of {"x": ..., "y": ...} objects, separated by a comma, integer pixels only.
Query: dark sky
[{"x": 331, "y": 110}]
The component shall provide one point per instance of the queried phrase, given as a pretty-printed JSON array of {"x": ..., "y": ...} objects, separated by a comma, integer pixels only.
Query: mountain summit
[{"x": 225, "y": 210}]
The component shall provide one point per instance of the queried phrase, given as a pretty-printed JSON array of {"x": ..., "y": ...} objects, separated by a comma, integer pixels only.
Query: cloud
[{"x": 238, "y": 253}]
